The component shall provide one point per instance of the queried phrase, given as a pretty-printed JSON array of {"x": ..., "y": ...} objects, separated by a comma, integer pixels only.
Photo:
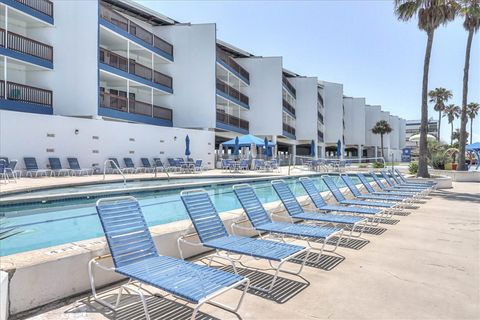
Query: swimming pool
[{"x": 53, "y": 223}]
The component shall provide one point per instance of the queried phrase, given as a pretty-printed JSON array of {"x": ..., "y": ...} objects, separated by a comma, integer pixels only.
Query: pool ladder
[
  {"x": 117, "y": 167},
  {"x": 164, "y": 170}
]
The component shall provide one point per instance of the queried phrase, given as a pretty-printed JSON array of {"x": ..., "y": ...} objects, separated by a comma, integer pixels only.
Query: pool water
[{"x": 48, "y": 224}]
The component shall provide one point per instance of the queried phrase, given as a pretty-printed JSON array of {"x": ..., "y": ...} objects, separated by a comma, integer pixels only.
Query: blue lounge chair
[
  {"x": 199, "y": 165},
  {"x": 415, "y": 181},
  {"x": 322, "y": 205},
  {"x": 338, "y": 195},
  {"x": 7, "y": 169},
  {"x": 243, "y": 165},
  {"x": 158, "y": 164},
  {"x": 371, "y": 190},
  {"x": 56, "y": 167},
  {"x": 74, "y": 166},
  {"x": 146, "y": 165},
  {"x": 357, "y": 194},
  {"x": 296, "y": 211},
  {"x": 261, "y": 222},
  {"x": 400, "y": 182},
  {"x": 212, "y": 234},
  {"x": 115, "y": 166},
  {"x": 395, "y": 191},
  {"x": 392, "y": 184},
  {"x": 135, "y": 256},
  {"x": 130, "y": 166},
  {"x": 31, "y": 167}
]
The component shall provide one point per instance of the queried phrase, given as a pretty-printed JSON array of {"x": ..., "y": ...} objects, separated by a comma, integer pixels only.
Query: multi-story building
[
  {"x": 354, "y": 126},
  {"x": 334, "y": 117},
  {"x": 412, "y": 127}
]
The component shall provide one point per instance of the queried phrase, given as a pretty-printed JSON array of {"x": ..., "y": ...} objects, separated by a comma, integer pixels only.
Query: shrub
[
  {"x": 378, "y": 165},
  {"x": 438, "y": 161},
  {"x": 413, "y": 167}
]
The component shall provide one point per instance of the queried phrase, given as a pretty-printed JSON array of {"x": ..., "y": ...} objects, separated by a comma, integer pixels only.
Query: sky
[{"x": 358, "y": 43}]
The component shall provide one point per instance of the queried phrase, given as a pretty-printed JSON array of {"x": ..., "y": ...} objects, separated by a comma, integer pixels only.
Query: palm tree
[
  {"x": 452, "y": 112},
  {"x": 382, "y": 127},
  {"x": 471, "y": 11},
  {"x": 472, "y": 111},
  {"x": 431, "y": 14},
  {"x": 439, "y": 96}
]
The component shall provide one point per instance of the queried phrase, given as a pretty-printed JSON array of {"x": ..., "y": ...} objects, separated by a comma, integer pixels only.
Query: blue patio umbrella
[
  {"x": 339, "y": 148},
  {"x": 267, "y": 148},
  {"x": 187, "y": 146},
  {"x": 236, "y": 147},
  {"x": 312, "y": 148},
  {"x": 475, "y": 148}
]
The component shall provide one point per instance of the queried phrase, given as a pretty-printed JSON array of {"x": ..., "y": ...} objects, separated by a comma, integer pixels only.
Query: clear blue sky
[{"x": 358, "y": 43}]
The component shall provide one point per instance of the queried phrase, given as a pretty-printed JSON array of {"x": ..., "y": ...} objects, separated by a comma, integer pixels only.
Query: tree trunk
[
  {"x": 463, "y": 118},
  {"x": 439, "y": 125},
  {"x": 471, "y": 130},
  {"x": 451, "y": 133},
  {"x": 422, "y": 159},
  {"x": 381, "y": 146}
]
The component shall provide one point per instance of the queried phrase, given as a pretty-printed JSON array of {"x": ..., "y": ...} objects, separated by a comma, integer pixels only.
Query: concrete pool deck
[{"x": 427, "y": 265}]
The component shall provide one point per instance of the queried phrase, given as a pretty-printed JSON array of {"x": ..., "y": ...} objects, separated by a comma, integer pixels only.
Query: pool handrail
[{"x": 117, "y": 167}]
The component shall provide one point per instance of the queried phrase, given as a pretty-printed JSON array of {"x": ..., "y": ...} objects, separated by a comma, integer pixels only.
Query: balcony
[
  {"x": 287, "y": 106},
  {"x": 40, "y": 9},
  {"x": 289, "y": 86},
  {"x": 233, "y": 65},
  {"x": 27, "y": 49},
  {"x": 123, "y": 104},
  {"x": 320, "y": 98},
  {"x": 288, "y": 130},
  {"x": 320, "y": 117},
  {"x": 233, "y": 94},
  {"x": 320, "y": 136},
  {"x": 20, "y": 97},
  {"x": 230, "y": 120},
  {"x": 144, "y": 36},
  {"x": 121, "y": 63}
]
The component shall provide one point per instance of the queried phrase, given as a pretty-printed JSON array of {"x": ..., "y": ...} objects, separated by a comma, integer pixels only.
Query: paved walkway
[{"x": 424, "y": 266}]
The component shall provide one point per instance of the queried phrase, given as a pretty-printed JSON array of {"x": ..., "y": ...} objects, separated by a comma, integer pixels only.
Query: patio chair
[
  {"x": 357, "y": 194},
  {"x": 259, "y": 164},
  {"x": 31, "y": 167},
  {"x": 296, "y": 211},
  {"x": 403, "y": 187},
  {"x": 320, "y": 203},
  {"x": 261, "y": 222},
  {"x": 415, "y": 181},
  {"x": 274, "y": 165},
  {"x": 340, "y": 198},
  {"x": 395, "y": 191},
  {"x": 226, "y": 165},
  {"x": 371, "y": 190},
  {"x": 213, "y": 234},
  {"x": 75, "y": 168},
  {"x": 56, "y": 167},
  {"x": 198, "y": 165},
  {"x": 400, "y": 182},
  {"x": 158, "y": 164},
  {"x": 135, "y": 256},
  {"x": 146, "y": 166},
  {"x": 115, "y": 166},
  {"x": 173, "y": 165},
  {"x": 243, "y": 165},
  {"x": 130, "y": 166}
]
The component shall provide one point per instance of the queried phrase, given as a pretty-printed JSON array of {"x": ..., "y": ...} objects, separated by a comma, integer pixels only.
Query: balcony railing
[
  {"x": 320, "y": 136},
  {"x": 222, "y": 55},
  {"x": 320, "y": 117},
  {"x": 289, "y": 86},
  {"x": 232, "y": 92},
  {"x": 119, "y": 62},
  {"x": 24, "y": 93},
  {"x": 288, "y": 106},
  {"x": 43, "y": 6},
  {"x": 288, "y": 129},
  {"x": 116, "y": 102},
  {"x": 320, "y": 98},
  {"x": 226, "y": 118},
  {"x": 135, "y": 29},
  {"x": 26, "y": 45}
]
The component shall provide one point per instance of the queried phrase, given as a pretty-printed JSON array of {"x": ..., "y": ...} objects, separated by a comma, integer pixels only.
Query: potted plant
[{"x": 450, "y": 159}]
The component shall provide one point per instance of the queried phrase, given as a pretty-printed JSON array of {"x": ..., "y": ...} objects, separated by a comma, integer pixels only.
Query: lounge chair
[
  {"x": 135, "y": 256},
  {"x": 146, "y": 166},
  {"x": 115, "y": 166},
  {"x": 7, "y": 169},
  {"x": 74, "y": 166},
  {"x": 31, "y": 167},
  {"x": 395, "y": 191},
  {"x": 56, "y": 167},
  {"x": 173, "y": 165},
  {"x": 213, "y": 235},
  {"x": 357, "y": 194},
  {"x": 130, "y": 166},
  {"x": 198, "y": 165},
  {"x": 421, "y": 189},
  {"x": 338, "y": 195},
  {"x": 322, "y": 205},
  {"x": 416, "y": 181},
  {"x": 158, "y": 164},
  {"x": 226, "y": 165},
  {"x": 261, "y": 222},
  {"x": 371, "y": 190},
  {"x": 259, "y": 164},
  {"x": 400, "y": 182},
  {"x": 243, "y": 165},
  {"x": 274, "y": 165},
  {"x": 296, "y": 211}
]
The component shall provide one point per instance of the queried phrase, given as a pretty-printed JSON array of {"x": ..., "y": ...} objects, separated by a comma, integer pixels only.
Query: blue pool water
[{"x": 49, "y": 224}]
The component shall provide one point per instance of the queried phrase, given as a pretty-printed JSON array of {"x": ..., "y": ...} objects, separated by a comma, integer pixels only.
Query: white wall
[
  {"x": 402, "y": 133},
  {"x": 265, "y": 94},
  {"x": 193, "y": 71},
  {"x": 372, "y": 116},
  {"x": 75, "y": 58},
  {"x": 354, "y": 124},
  {"x": 386, "y": 138},
  {"x": 333, "y": 99},
  {"x": 394, "y": 123},
  {"x": 115, "y": 139},
  {"x": 306, "y": 107}
]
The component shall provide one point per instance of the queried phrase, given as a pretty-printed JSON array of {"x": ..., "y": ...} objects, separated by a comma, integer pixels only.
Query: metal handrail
[
  {"x": 117, "y": 167},
  {"x": 164, "y": 170}
]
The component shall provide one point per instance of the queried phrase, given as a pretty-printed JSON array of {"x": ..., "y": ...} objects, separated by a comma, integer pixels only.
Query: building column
[
  {"x": 376, "y": 152},
  {"x": 360, "y": 153},
  {"x": 294, "y": 154},
  {"x": 275, "y": 148}
]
